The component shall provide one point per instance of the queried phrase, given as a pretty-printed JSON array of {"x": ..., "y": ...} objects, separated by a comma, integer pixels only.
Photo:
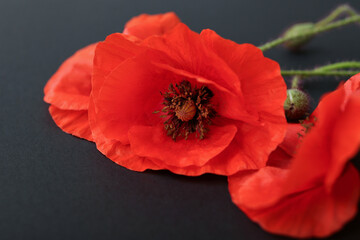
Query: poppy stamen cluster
[
  {"x": 308, "y": 123},
  {"x": 188, "y": 110}
]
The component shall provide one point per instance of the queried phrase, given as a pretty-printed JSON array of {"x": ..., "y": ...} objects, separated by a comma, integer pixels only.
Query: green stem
[
  {"x": 295, "y": 82},
  {"x": 310, "y": 33},
  {"x": 340, "y": 65},
  {"x": 310, "y": 73},
  {"x": 336, "y": 13}
]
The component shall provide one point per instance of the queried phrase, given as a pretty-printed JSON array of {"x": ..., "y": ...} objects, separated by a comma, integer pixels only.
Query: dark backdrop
[{"x": 55, "y": 186}]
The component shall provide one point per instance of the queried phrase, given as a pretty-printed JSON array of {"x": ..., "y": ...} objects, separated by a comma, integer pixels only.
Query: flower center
[{"x": 188, "y": 110}]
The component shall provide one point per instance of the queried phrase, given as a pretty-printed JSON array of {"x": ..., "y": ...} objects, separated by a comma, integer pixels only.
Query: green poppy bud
[
  {"x": 300, "y": 28},
  {"x": 297, "y": 105}
]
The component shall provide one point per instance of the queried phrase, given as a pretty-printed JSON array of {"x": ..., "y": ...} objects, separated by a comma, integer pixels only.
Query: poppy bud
[
  {"x": 299, "y": 29},
  {"x": 296, "y": 105}
]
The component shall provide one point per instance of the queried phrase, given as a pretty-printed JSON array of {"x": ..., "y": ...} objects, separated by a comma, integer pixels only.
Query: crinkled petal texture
[
  {"x": 68, "y": 90},
  {"x": 319, "y": 192},
  {"x": 248, "y": 96}
]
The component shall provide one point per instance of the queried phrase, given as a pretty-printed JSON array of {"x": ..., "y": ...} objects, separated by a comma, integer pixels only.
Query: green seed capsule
[{"x": 296, "y": 105}]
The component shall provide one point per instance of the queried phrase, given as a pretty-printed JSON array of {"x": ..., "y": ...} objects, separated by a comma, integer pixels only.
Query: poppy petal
[
  {"x": 292, "y": 138},
  {"x": 314, "y": 212},
  {"x": 241, "y": 153},
  {"x": 254, "y": 71},
  {"x": 249, "y": 188},
  {"x": 279, "y": 158},
  {"x": 137, "y": 98},
  {"x": 152, "y": 142},
  {"x": 108, "y": 55},
  {"x": 334, "y": 126},
  {"x": 74, "y": 122},
  {"x": 146, "y": 25},
  {"x": 346, "y": 134},
  {"x": 115, "y": 150},
  {"x": 189, "y": 53},
  {"x": 69, "y": 88},
  {"x": 236, "y": 157}
]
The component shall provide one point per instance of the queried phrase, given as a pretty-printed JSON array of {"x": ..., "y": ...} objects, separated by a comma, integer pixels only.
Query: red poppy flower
[
  {"x": 68, "y": 90},
  {"x": 222, "y": 103},
  {"x": 319, "y": 192}
]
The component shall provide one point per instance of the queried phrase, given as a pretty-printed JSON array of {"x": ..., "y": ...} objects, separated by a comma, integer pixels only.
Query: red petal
[
  {"x": 292, "y": 138},
  {"x": 108, "y": 55},
  {"x": 237, "y": 156},
  {"x": 282, "y": 156},
  {"x": 132, "y": 101},
  {"x": 346, "y": 130},
  {"x": 115, "y": 150},
  {"x": 249, "y": 188},
  {"x": 146, "y": 25},
  {"x": 279, "y": 158},
  {"x": 188, "y": 52},
  {"x": 262, "y": 85},
  {"x": 250, "y": 148},
  {"x": 74, "y": 122},
  {"x": 311, "y": 213},
  {"x": 152, "y": 142},
  {"x": 69, "y": 88},
  {"x": 331, "y": 143}
]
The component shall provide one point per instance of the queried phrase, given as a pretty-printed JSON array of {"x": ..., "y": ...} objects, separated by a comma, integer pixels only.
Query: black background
[{"x": 55, "y": 186}]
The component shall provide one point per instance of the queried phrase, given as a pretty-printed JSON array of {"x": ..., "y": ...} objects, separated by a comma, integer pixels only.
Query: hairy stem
[
  {"x": 295, "y": 82},
  {"x": 340, "y": 65},
  {"x": 315, "y": 31},
  {"x": 342, "y": 9},
  {"x": 310, "y": 73}
]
